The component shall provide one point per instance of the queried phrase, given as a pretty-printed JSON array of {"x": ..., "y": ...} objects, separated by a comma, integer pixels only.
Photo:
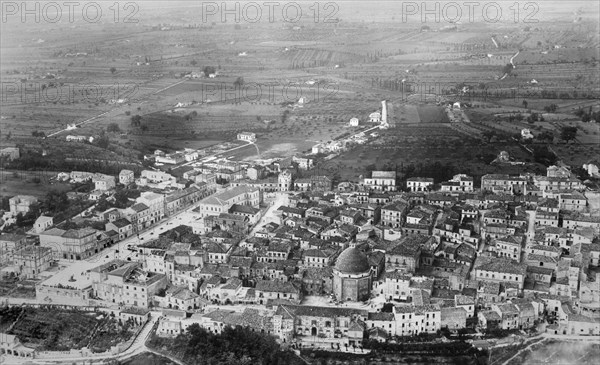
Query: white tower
[{"x": 383, "y": 111}]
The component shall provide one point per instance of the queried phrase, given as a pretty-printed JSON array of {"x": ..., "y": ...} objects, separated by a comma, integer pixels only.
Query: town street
[{"x": 74, "y": 273}]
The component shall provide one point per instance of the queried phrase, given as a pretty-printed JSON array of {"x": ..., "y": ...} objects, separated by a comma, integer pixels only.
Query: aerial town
[{"x": 450, "y": 229}]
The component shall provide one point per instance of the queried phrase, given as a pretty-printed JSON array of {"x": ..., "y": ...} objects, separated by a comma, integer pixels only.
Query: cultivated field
[
  {"x": 36, "y": 183},
  {"x": 263, "y": 71}
]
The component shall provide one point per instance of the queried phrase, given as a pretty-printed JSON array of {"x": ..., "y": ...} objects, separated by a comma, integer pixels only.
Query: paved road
[
  {"x": 269, "y": 216},
  {"x": 77, "y": 269}
]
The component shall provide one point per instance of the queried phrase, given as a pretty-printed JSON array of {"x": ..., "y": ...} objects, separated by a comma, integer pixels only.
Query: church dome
[{"x": 352, "y": 261}]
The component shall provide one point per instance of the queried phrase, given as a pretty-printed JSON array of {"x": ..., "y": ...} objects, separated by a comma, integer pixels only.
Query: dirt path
[
  {"x": 535, "y": 342},
  {"x": 177, "y": 361}
]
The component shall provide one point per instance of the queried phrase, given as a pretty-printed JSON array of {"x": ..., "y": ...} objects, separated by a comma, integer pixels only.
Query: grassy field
[
  {"x": 435, "y": 144},
  {"x": 26, "y": 183},
  {"x": 432, "y": 114}
]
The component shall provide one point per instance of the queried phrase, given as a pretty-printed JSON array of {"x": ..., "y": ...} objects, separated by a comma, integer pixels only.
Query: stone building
[{"x": 352, "y": 276}]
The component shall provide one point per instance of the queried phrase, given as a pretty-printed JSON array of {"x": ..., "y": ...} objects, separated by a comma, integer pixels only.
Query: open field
[
  {"x": 108, "y": 73},
  {"x": 26, "y": 183},
  {"x": 432, "y": 114},
  {"x": 439, "y": 152}
]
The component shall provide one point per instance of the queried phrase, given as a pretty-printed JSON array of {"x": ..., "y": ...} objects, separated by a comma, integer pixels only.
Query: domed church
[{"x": 352, "y": 276}]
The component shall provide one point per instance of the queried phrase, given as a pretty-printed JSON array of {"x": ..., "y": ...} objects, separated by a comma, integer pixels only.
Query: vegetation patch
[
  {"x": 232, "y": 347},
  {"x": 51, "y": 329}
]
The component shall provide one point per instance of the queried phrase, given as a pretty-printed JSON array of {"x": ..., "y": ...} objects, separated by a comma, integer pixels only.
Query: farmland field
[
  {"x": 436, "y": 145},
  {"x": 113, "y": 73},
  {"x": 432, "y": 114}
]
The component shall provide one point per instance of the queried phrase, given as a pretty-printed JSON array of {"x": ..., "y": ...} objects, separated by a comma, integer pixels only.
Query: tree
[
  {"x": 543, "y": 155},
  {"x": 209, "y": 70},
  {"x": 102, "y": 141},
  {"x": 545, "y": 136},
  {"x": 239, "y": 82},
  {"x": 284, "y": 116},
  {"x": 551, "y": 108},
  {"x": 113, "y": 70},
  {"x": 487, "y": 135},
  {"x": 38, "y": 134},
  {"x": 525, "y": 104},
  {"x": 193, "y": 62},
  {"x": 56, "y": 201},
  {"x": 113, "y": 127},
  {"x": 568, "y": 133},
  {"x": 102, "y": 204},
  {"x": 136, "y": 120}
]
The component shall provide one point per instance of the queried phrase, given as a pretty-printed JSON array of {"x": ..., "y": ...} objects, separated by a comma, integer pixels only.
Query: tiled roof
[
  {"x": 121, "y": 222},
  {"x": 498, "y": 264},
  {"x": 326, "y": 312},
  {"x": 409, "y": 245},
  {"x": 381, "y": 316},
  {"x": 491, "y": 315},
  {"x": 139, "y": 207},
  {"x": 79, "y": 233},
  {"x": 276, "y": 286},
  {"x": 453, "y": 313},
  {"x": 352, "y": 260}
]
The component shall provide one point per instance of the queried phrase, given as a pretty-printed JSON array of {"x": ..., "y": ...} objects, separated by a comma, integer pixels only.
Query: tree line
[{"x": 233, "y": 346}]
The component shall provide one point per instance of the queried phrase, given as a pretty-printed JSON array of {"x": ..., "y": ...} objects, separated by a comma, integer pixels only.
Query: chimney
[{"x": 383, "y": 111}]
